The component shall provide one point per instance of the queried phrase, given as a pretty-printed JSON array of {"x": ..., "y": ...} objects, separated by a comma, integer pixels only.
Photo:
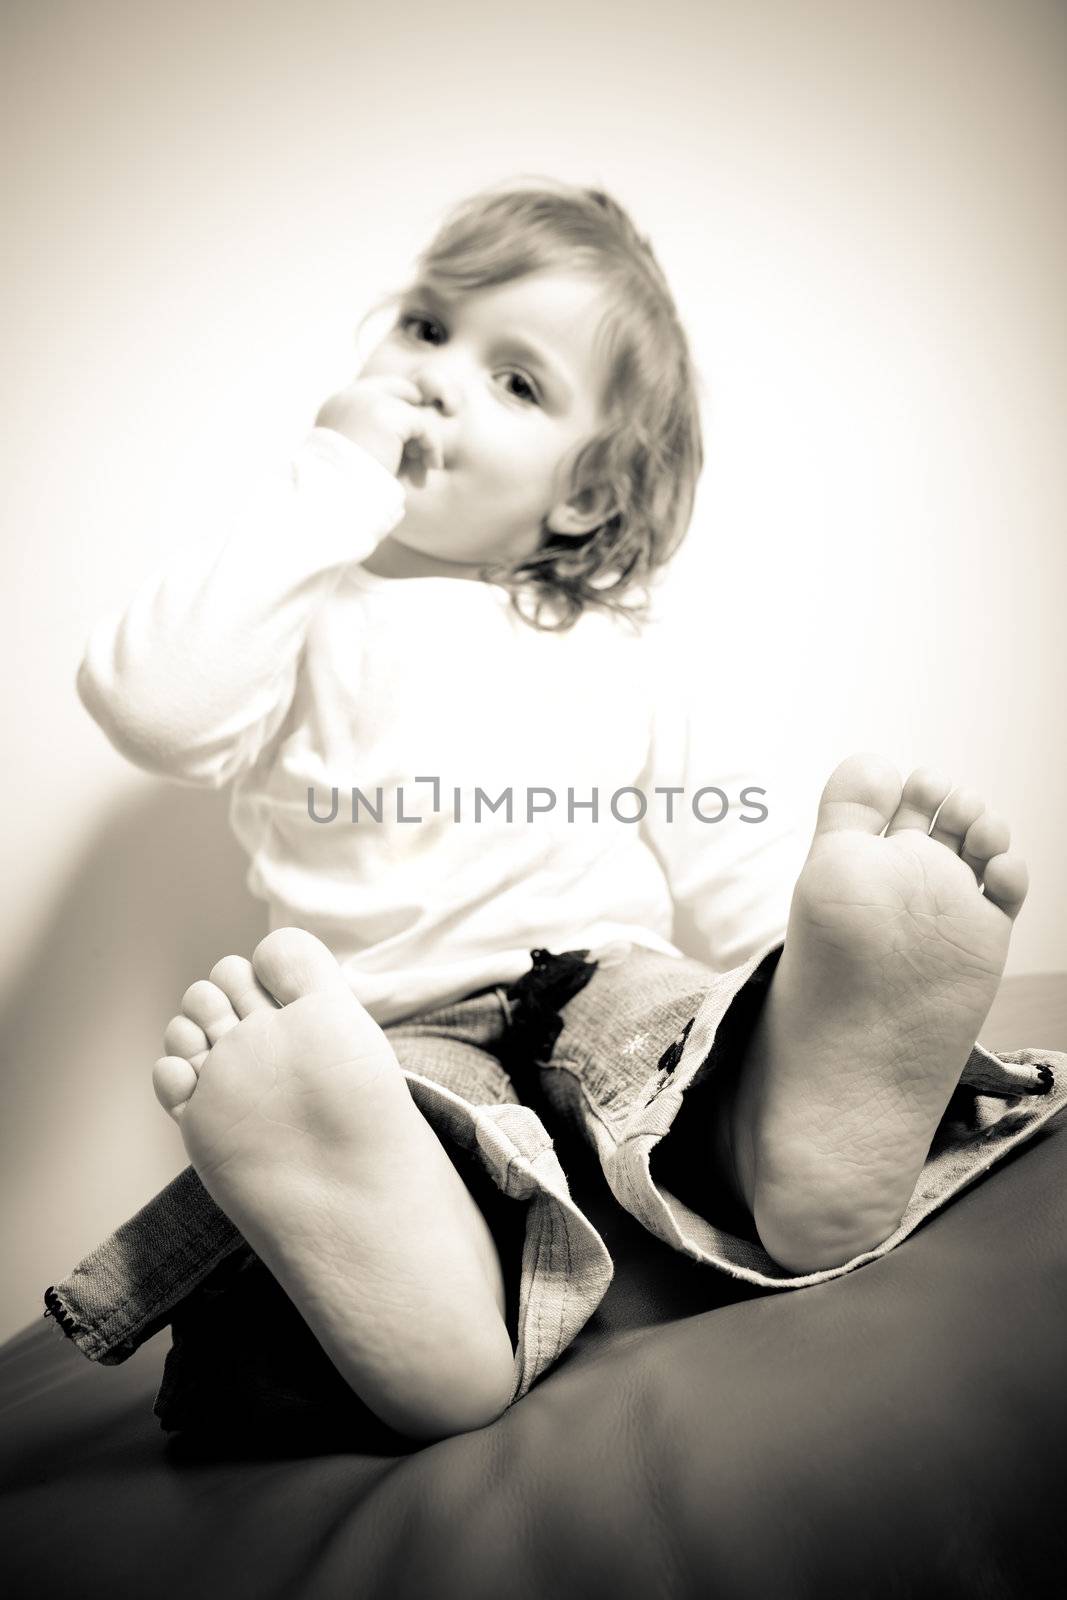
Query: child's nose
[{"x": 435, "y": 390}]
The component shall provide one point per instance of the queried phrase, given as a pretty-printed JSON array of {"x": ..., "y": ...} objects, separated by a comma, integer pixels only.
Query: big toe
[
  {"x": 290, "y": 962},
  {"x": 860, "y": 795}
]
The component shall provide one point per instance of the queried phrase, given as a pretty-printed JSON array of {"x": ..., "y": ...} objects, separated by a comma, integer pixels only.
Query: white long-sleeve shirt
[{"x": 269, "y": 657}]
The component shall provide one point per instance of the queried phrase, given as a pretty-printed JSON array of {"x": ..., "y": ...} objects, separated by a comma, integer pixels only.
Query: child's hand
[{"x": 386, "y": 415}]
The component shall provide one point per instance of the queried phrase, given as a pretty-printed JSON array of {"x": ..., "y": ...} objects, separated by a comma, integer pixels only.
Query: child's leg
[
  {"x": 669, "y": 1068},
  {"x": 162, "y": 1262},
  {"x": 300, "y": 1125},
  {"x": 892, "y": 959}
]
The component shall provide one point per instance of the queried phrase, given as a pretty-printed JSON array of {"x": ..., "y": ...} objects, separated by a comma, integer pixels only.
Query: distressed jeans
[{"x": 626, "y": 1045}]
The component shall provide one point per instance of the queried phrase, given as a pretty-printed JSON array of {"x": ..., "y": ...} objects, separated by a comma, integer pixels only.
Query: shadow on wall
[{"x": 158, "y": 897}]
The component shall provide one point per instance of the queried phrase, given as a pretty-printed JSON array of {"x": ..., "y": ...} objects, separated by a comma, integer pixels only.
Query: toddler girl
[{"x": 473, "y": 799}]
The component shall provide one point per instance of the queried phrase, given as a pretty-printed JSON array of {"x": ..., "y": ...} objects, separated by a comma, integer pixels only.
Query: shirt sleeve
[
  {"x": 717, "y": 820},
  {"x": 197, "y": 674}
]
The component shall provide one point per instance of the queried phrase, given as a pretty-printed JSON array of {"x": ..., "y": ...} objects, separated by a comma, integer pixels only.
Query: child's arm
[
  {"x": 731, "y": 880},
  {"x": 198, "y": 673}
]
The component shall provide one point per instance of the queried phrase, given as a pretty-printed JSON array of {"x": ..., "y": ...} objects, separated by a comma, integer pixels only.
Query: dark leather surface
[{"x": 900, "y": 1431}]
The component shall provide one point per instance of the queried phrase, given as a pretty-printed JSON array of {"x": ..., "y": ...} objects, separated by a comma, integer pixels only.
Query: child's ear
[{"x": 583, "y": 512}]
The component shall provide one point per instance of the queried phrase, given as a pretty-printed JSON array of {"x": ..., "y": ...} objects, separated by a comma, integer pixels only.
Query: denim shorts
[{"x": 623, "y": 1044}]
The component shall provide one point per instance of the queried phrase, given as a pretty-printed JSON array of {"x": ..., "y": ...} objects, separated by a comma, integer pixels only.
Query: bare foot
[
  {"x": 898, "y": 935},
  {"x": 297, "y": 1117}
]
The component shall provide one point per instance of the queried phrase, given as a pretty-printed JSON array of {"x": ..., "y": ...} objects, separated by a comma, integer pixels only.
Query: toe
[
  {"x": 960, "y": 811},
  {"x": 236, "y": 977},
  {"x": 291, "y": 962},
  {"x": 924, "y": 792},
  {"x": 205, "y": 1003},
  {"x": 174, "y": 1080},
  {"x": 183, "y": 1037},
  {"x": 1006, "y": 883},
  {"x": 989, "y": 836},
  {"x": 861, "y": 794}
]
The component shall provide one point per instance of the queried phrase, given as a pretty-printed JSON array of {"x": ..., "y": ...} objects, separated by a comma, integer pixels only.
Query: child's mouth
[{"x": 413, "y": 468}]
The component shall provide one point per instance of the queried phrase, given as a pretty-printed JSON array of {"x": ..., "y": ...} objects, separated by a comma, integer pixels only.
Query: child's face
[{"x": 511, "y": 371}]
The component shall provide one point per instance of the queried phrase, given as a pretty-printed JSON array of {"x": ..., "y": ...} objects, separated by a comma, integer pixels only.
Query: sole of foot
[
  {"x": 296, "y": 1115},
  {"x": 897, "y": 939}
]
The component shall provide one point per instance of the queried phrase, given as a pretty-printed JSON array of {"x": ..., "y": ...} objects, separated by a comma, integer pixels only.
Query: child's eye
[
  {"x": 530, "y": 393},
  {"x": 410, "y": 320}
]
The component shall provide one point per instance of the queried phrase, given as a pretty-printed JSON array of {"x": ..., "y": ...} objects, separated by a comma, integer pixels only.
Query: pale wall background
[{"x": 860, "y": 206}]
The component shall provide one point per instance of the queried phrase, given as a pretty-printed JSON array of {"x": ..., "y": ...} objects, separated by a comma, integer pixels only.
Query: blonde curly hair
[{"x": 649, "y": 452}]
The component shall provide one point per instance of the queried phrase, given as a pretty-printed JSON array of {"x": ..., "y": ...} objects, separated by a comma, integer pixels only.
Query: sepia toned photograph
[{"x": 534, "y": 978}]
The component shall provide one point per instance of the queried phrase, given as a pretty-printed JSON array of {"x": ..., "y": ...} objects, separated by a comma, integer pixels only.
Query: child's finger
[
  {"x": 392, "y": 384},
  {"x": 428, "y": 435}
]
